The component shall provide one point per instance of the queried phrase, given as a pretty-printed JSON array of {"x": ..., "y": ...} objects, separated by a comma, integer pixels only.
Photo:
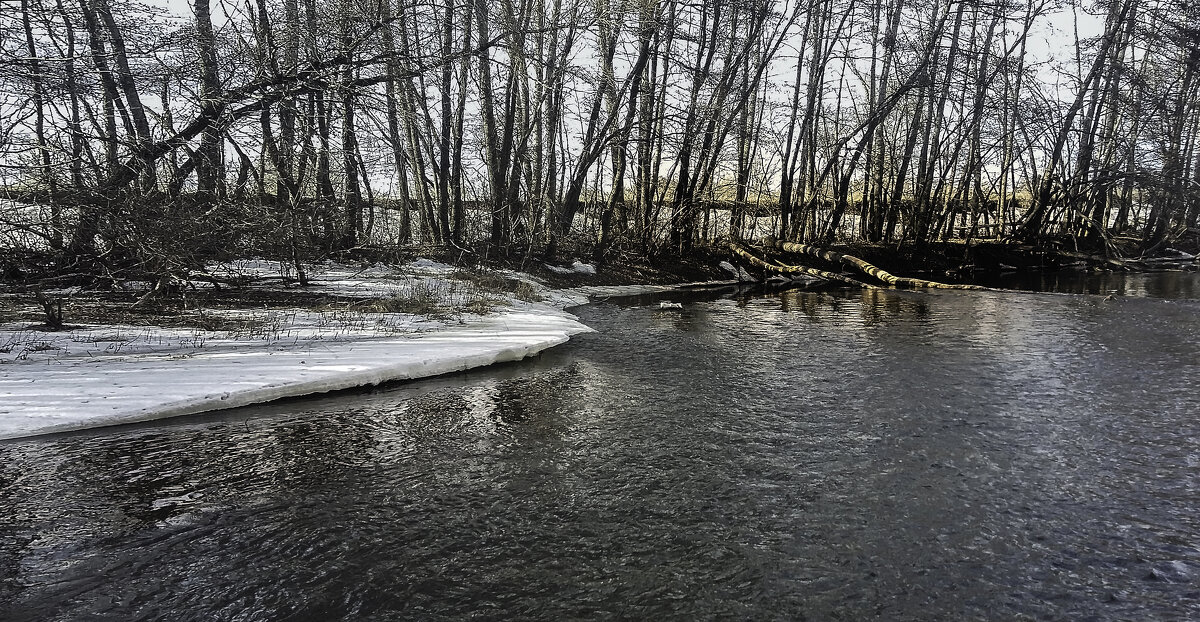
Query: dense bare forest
[{"x": 134, "y": 138}]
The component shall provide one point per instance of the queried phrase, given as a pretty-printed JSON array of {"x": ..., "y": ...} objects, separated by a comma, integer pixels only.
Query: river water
[{"x": 840, "y": 455}]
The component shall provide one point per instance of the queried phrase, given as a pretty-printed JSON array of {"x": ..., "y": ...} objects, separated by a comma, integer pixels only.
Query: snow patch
[
  {"x": 577, "y": 267},
  {"x": 422, "y": 263},
  {"x": 87, "y": 390},
  {"x": 94, "y": 376},
  {"x": 583, "y": 268}
]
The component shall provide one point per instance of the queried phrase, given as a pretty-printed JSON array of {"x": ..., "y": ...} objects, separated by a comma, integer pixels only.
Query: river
[{"x": 847, "y": 455}]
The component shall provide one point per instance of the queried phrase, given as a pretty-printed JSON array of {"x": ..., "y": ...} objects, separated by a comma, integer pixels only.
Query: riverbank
[
  {"x": 351, "y": 326},
  {"x": 247, "y": 332}
]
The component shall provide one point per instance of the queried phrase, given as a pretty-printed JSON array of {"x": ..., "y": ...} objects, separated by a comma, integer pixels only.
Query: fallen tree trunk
[
  {"x": 864, "y": 266},
  {"x": 744, "y": 253}
]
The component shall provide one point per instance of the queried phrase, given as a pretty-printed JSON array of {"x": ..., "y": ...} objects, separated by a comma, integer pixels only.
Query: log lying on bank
[
  {"x": 861, "y": 265},
  {"x": 744, "y": 253}
]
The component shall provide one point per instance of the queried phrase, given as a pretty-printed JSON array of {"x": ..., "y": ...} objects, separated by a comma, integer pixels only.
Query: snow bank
[
  {"x": 95, "y": 376},
  {"x": 76, "y": 392},
  {"x": 107, "y": 375}
]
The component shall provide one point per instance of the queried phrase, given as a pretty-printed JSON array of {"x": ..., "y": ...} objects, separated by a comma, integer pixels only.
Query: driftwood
[
  {"x": 859, "y": 264},
  {"x": 744, "y": 253}
]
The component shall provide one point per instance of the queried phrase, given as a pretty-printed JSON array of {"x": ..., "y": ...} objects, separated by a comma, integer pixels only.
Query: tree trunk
[{"x": 210, "y": 170}]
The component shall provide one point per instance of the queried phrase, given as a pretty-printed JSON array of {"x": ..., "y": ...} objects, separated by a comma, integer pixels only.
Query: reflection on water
[
  {"x": 822, "y": 455},
  {"x": 1168, "y": 285}
]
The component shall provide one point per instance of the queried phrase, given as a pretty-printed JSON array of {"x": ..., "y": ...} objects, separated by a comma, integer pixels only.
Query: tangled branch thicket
[{"x": 138, "y": 141}]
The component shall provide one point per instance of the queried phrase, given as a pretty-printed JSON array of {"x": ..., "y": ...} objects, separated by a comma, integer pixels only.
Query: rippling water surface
[{"x": 850, "y": 455}]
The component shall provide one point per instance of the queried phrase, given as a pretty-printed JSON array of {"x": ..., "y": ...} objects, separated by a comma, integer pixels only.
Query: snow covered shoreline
[{"x": 94, "y": 376}]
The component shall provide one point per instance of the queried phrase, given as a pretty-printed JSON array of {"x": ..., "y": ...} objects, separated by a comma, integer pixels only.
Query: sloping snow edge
[{"x": 46, "y": 399}]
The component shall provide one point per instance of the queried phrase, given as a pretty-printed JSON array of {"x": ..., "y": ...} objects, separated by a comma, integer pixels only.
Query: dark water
[{"x": 821, "y": 456}]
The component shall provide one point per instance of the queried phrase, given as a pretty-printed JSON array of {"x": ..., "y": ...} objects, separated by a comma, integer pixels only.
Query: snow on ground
[
  {"x": 577, "y": 267},
  {"x": 93, "y": 376}
]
